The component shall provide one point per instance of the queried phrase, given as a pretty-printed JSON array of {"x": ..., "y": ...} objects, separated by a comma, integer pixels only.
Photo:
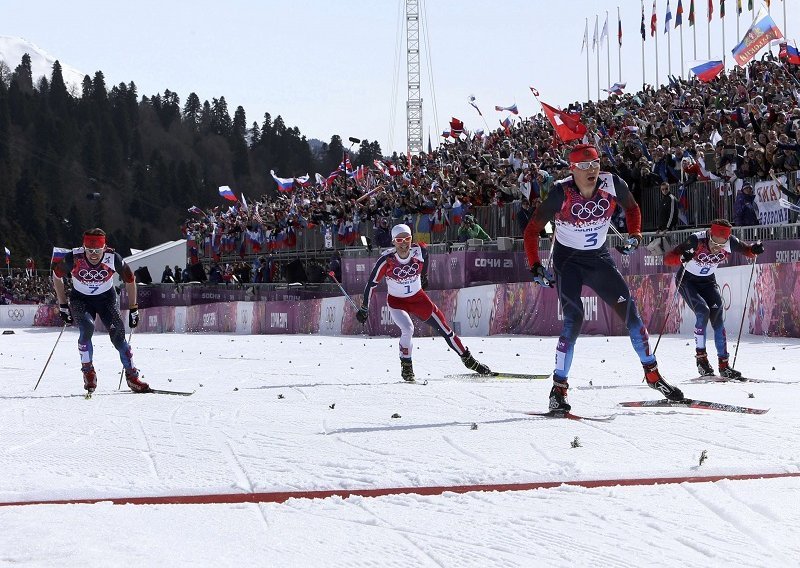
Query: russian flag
[
  {"x": 8, "y": 255},
  {"x": 284, "y": 184},
  {"x": 59, "y": 254},
  {"x": 790, "y": 54},
  {"x": 196, "y": 210},
  {"x": 763, "y": 31},
  {"x": 303, "y": 181},
  {"x": 225, "y": 191},
  {"x": 708, "y": 71}
]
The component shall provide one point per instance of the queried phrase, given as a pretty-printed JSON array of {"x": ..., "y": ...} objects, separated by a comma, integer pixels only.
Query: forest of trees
[{"x": 132, "y": 166}]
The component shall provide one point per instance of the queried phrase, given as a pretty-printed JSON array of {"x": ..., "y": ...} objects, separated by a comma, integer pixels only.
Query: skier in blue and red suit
[
  {"x": 699, "y": 255},
  {"x": 581, "y": 207}
]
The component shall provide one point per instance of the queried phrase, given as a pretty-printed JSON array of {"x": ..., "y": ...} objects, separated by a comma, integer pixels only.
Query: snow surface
[
  {"x": 278, "y": 432},
  {"x": 13, "y": 48}
]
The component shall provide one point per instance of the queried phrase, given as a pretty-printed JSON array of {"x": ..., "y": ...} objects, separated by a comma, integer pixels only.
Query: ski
[
  {"x": 693, "y": 403},
  {"x": 414, "y": 382},
  {"x": 498, "y": 375},
  {"x": 571, "y": 416},
  {"x": 162, "y": 391},
  {"x": 717, "y": 379}
]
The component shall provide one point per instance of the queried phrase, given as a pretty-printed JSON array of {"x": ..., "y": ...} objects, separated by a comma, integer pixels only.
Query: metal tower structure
[{"x": 414, "y": 102}]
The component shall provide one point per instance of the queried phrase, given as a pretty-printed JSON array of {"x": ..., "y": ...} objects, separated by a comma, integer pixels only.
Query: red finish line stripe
[{"x": 283, "y": 496}]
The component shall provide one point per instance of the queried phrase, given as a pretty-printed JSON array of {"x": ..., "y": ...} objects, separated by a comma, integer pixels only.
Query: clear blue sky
[{"x": 328, "y": 67}]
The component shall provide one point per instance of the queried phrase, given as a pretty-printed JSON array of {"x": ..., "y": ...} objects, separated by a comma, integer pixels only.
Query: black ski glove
[
  {"x": 687, "y": 255},
  {"x": 362, "y": 314},
  {"x": 757, "y": 247},
  {"x": 542, "y": 276},
  {"x": 66, "y": 315},
  {"x": 133, "y": 316}
]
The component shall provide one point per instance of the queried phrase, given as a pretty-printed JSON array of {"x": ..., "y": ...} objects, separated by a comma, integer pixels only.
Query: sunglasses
[
  {"x": 587, "y": 165},
  {"x": 94, "y": 251},
  {"x": 402, "y": 239},
  {"x": 717, "y": 243}
]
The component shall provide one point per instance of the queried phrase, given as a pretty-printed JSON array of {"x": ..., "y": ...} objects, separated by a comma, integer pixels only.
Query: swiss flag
[{"x": 568, "y": 126}]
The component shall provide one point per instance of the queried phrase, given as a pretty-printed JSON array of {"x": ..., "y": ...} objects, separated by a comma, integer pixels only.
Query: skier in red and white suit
[{"x": 405, "y": 268}]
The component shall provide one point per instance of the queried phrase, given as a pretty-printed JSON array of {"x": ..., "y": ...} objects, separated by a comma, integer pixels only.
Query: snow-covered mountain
[{"x": 13, "y": 48}]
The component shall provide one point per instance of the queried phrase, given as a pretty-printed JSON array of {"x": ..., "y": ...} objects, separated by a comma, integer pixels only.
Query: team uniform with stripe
[
  {"x": 699, "y": 284},
  {"x": 93, "y": 294},
  {"x": 581, "y": 257},
  {"x": 405, "y": 296}
]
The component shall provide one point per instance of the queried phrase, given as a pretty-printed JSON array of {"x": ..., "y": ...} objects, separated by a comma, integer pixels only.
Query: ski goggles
[
  {"x": 402, "y": 239},
  {"x": 94, "y": 250},
  {"x": 717, "y": 243},
  {"x": 587, "y": 165}
]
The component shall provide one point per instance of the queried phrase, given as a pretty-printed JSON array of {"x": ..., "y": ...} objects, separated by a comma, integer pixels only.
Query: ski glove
[
  {"x": 542, "y": 276},
  {"x": 757, "y": 247},
  {"x": 630, "y": 245},
  {"x": 362, "y": 314},
  {"x": 133, "y": 316},
  {"x": 66, "y": 315},
  {"x": 687, "y": 255}
]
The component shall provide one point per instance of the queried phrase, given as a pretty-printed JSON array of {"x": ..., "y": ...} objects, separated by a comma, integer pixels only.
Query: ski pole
[
  {"x": 63, "y": 327},
  {"x": 744, "y": 312},
  {"x": 669, "y": 309},
  {"x": 122, "y": 372},
  {"x": 346, "y": 295}
]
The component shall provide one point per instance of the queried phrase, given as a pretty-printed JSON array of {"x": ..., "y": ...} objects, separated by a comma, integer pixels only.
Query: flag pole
[
  {"x": 785, "y": 33},
  {"x": 708, "y": 22},
  {"x": 608, "y": 51},
  {"x": 682, "y": 74},
  {"x": 669, "y": 50},
  {"x": 596, "y": 21},
  {"x": 619, "y": 45},
  {"x": 586, "y": 36},
  {"x": 644, "y": 74},
  {"x": 694, "y": 38},
  {"x": 655, "y": 37},
  {"x": 738, "y": 13},
  {"x": 724, "y": 57}
]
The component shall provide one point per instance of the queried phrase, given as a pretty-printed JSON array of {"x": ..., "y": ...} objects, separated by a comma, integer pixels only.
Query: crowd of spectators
[
  {"x": 26, "y": 287},
  {"x": 743, "y": 125}
]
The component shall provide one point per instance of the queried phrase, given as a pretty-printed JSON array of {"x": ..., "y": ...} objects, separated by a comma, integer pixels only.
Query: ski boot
[
  {"x": 132, "y": 378},
  {"x": 703, "y": 366},
  {"x": 558, "y": 397},
  {"x": 89, "y": 378},
  {"x": 407, "y": 370},
  {"x": 657, "y": 382},
  {"x": 474, "y": 365},
  {"x": 727, "y": 372}
]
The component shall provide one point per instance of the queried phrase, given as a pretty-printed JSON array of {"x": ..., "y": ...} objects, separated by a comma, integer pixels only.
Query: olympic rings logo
[
  {"x": 474, "y": 312},
  {"x": 93, "y": 275},
  {"x": 15, "y": 314},
  {"x": 596, "y": 209},
  {"x": 330, "y": 316},
  {"x": 405, "y": 270},
  {"x": 705, "y": 258}
]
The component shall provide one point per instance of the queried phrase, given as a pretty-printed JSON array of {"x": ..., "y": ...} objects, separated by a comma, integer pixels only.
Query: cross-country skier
[
  {"x": 92, "y": 268},
  {"x": 582, "y": 206},
  {"x": 405, "y": 268},
  {"x": 699, "y": 255}
]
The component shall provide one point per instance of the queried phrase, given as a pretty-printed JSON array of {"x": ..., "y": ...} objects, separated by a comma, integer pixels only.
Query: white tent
[{"x": 170, "y": 254}]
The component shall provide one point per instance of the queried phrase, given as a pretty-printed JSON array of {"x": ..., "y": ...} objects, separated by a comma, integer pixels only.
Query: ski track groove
[
  {"x": 405, "y": 534},
  {"x": 759, "y": 510},
  {"x": 242, "y": 479},
  {"x": 303, "y": 394},
  {"x": 729, "y": 517},
  {"x": 724, "y": 446},
  {"x": 149, "y": 454},
  {"x": 30, "y": 444},
  {"x": 462, "y": 450}
]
